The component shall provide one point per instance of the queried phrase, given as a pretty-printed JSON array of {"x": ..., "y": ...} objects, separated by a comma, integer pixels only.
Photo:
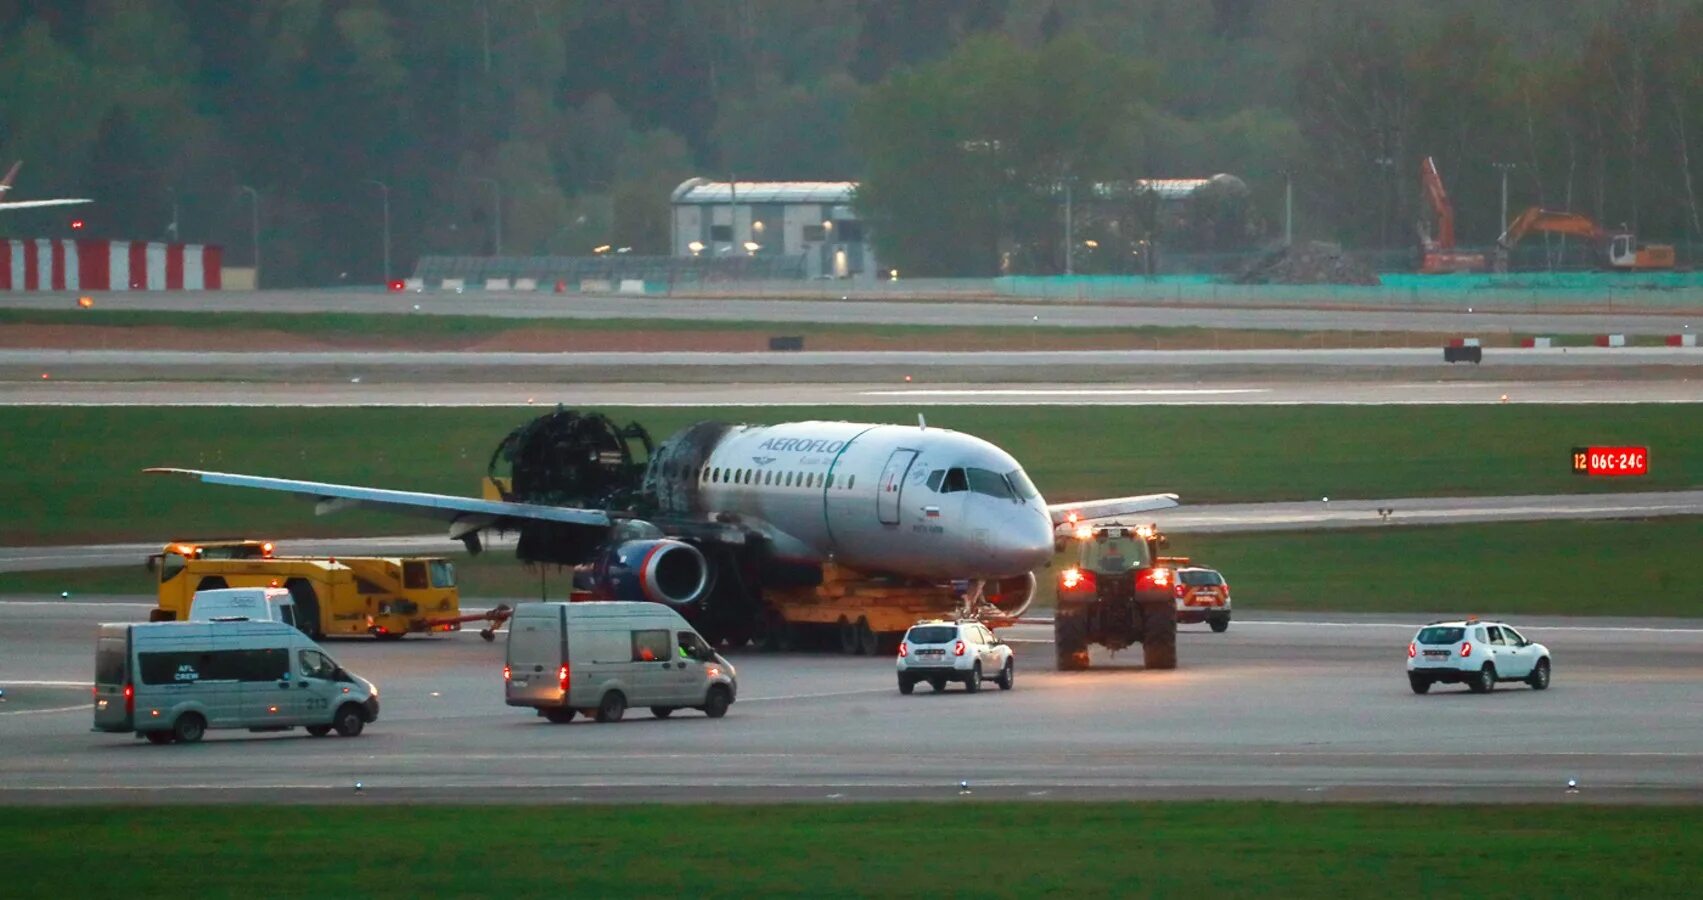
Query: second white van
[
  {"x": 600, "y": 658},
  {"x": 246, "y": 604}
]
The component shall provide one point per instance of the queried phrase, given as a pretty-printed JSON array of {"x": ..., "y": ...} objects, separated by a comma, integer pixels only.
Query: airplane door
[{"x": 890, "y": 486}]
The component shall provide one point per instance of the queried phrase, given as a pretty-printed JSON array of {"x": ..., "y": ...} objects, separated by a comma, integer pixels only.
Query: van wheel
[
  {"x": 612, "y": 707},
  {"x": 662, "y": 712},
  {"x": 158, "y": 737},
  {"x": 715, "y": 706},
  {"x": 189, "y": 728},
  {"x": 561, "y": 716},
  {"x": 349, "y": 721},
  {"x": 319, "y": 730}
]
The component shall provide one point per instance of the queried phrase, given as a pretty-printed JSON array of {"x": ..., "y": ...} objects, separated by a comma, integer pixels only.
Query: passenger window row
[{"x": 774, "y": 478}]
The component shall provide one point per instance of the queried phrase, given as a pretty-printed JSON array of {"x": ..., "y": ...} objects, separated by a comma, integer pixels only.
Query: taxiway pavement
[
  {"x": 1060, "y": 314},
  {"x": 1281, "y": 706}
]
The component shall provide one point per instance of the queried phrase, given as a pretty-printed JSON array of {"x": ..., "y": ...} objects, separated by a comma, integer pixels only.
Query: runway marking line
[{"x": 36, "y": 712}]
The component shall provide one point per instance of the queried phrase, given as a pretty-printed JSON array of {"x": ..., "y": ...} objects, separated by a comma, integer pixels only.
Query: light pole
[
  {"x": 1503, "y": 168},
  {"x": 1288, "y": 207},
  {"x": 254, "y": 231},
  {"x": 1069, "y": 231},
  {"x": 384, "y": 194},
  {"x": 496, "y": 212},
  {"x": 171, "y": 228},
  {"x": 1386, "y": 164}
]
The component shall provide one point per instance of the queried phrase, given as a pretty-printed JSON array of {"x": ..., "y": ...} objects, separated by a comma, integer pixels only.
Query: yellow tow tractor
[{"x": 386, "y": 597}]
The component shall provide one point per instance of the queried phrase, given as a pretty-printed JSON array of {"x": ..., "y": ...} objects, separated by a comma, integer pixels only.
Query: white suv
[
  {"x": 1475, "y": 653},
  {"x": 938, "y": 652}
]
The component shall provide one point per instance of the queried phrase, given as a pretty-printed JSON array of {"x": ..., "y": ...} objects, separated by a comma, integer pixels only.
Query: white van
[
  {"x": 171, "y": 681},
  {"x": 250, "y": 604},
  {"x": 600, "y": 658}
]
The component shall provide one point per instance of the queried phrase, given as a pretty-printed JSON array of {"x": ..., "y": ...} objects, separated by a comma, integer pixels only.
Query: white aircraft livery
[{"x": 719, "y": 512}]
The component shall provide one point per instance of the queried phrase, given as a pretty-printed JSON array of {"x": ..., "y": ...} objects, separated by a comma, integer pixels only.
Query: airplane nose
[{"x": 1027, "y": 539}]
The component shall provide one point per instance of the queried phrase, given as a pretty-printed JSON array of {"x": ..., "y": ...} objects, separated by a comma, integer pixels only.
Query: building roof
[{"x": 704, "y": 191}]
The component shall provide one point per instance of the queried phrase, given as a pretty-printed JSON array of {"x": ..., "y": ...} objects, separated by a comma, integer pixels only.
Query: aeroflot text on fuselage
[{"x": 802, "y": 445}]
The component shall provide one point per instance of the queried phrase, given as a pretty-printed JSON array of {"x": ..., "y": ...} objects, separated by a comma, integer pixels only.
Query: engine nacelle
[{"x": 659, "y": 571}]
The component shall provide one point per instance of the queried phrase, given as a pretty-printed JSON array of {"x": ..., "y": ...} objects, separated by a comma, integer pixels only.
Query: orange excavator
[
  {"x": 1439, "y": 256},
  {"x": 1619, "y": 249}
]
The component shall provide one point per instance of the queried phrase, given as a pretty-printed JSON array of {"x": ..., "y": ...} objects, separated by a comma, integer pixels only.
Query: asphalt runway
[
  {"x": 178, "y": 363},
  {"x": 884, "y": 312},
  {"x": 896, "y": 392},
  {"x": 1281, "y": 706},
  {"x": 1189, "y": 518}
]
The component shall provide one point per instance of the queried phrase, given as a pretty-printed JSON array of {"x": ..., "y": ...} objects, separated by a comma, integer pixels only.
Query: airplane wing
[
  {"x": 1110, "y": 507},
  {"x": 27, "y": 204},
  {"x": 466, "y": 515}
]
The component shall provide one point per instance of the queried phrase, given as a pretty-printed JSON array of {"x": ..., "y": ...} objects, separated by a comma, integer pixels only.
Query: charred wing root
[{"x": 569, "y": 458}]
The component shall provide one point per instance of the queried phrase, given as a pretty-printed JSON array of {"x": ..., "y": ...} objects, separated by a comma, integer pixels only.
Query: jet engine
[{"x": 657, "y": 570}]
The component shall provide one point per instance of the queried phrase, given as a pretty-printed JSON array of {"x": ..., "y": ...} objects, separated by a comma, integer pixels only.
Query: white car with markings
[
  {"x": 965, "y": 652},
  {"x": 1477, "y": 654}
]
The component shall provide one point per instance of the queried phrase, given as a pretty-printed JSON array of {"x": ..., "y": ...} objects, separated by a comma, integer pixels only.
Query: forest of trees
[{"x": 585, "y": 114}]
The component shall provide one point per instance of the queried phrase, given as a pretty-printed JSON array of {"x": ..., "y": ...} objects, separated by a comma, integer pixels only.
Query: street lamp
[
  {"x": 1503, "y": 167},
  {"x": 171, "y": 228},
  {"x": 384, "y": 193},
  {"x": 497, "y": 212},
  {"x": 254, "y": 230}
]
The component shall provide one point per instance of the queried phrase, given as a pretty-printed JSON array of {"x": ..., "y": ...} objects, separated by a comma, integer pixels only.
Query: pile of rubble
[{"x": 1313, "y": 262}]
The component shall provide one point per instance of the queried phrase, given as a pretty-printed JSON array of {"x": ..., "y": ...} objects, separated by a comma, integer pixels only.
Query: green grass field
[
  {"x": 1602, "y": 568},
  {"x": 909, "y": 849},
  {"x": 74, "y": 474}
]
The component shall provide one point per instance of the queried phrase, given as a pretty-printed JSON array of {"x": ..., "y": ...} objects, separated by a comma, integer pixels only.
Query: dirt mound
[{"x": 1313, "y": 262}]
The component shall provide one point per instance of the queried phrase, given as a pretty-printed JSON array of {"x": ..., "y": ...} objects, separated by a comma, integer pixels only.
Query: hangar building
[{"x": 809, "y": 220}]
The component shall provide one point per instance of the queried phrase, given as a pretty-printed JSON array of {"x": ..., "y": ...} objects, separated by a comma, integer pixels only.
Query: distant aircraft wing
[
  {"x": 466, "y": 515},
  {"x": 1110, "y": 507},
  {"x": 27, "y": 204}
]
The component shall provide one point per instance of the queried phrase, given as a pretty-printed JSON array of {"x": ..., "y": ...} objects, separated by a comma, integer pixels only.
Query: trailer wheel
[
  {"x": 848, "y": 636},
  {"x": 1159, "y": 635},
  {"x": 773, "y": 632},
  {"x": 868, "y": 644},
  {"x": 1070, "y": 641}
]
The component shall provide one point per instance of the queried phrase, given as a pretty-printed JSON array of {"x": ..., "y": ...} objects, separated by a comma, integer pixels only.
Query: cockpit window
[
  {"x": 954, "y": 482},
  {"x": 993, "y": 484},
  {"x": 934, "y": 479},
  {"x": 1021, "y": 484}
]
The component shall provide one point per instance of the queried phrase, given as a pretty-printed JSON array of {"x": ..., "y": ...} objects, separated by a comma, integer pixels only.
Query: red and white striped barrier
[
  {"x": 1537, "y": 343},
  {"x": 1463, "y": 342},
  {"x": 1682, "y": 340},
  {"x": 1611, "y": 340},
  {"x": 50, "y": 265}
]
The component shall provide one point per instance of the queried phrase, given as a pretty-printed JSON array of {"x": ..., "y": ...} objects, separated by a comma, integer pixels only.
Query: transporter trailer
[{"x": 1118, "y": 594}]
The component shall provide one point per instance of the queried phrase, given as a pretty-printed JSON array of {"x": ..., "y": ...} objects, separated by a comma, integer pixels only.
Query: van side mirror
[{"x": 152, "y": 564}]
